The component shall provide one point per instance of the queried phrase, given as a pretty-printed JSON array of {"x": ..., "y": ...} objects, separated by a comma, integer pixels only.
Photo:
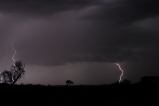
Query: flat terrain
[{"x": 142, "y": 93}]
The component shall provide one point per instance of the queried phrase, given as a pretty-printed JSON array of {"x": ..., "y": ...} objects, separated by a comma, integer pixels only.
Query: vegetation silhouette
[
  {"x": 16, "y": 72},
  {"x": 69, "y": 82},
  {"x": 144, "y": 92}
]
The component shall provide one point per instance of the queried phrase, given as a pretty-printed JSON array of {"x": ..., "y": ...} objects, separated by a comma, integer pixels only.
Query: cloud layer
[
  {"x": 56, "y": 32},
  {"x": 83, "y": 30}
]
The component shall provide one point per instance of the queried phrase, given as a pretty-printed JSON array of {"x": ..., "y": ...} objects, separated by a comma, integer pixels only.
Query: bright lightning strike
[
  {"x": 122, "y": 72},
  {"x": 13, "y": 56}
]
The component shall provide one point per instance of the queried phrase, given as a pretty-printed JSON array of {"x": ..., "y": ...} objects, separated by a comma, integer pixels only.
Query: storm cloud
[
  {"x": 57, "y": 32},
  {"x": 103, "y": 31}
]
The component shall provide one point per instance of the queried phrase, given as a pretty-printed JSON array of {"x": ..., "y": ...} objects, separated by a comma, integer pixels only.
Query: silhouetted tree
[
  {"x": 12, "y": 76},
  {"x": 18, "y": 71},
  {"x": 69, "y": 82},
  {"x": 6, "y": 77}
]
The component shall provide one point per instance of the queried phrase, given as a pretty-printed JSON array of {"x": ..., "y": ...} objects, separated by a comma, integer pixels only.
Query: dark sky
[{"x": 80, "y": 40}]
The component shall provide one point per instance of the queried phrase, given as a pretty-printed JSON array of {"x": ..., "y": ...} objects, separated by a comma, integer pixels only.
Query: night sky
[{"x": 80, "y": 40}]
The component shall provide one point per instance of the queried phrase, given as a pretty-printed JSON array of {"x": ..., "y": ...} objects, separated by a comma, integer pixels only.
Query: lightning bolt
[
  {"x": 13, "y": 56},
  {"x": 122, "y": 72}
]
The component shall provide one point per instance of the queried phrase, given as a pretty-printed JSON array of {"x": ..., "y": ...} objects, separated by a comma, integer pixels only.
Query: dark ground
[{"x": 146, "y": 92}]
